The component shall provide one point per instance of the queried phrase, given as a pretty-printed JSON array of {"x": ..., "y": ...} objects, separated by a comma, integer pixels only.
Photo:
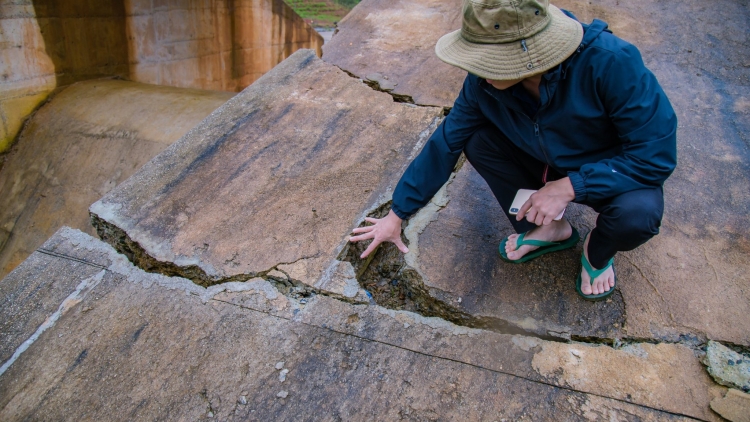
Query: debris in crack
[
  {"x": 379, "y": 83},
  {"x": 728, "y": 367},
  {"x": 394, "y": 284},
  {"x": 120, "y": 240},
  {"x": 286, "y": 285},
  {"x": 379, "y": 273}
]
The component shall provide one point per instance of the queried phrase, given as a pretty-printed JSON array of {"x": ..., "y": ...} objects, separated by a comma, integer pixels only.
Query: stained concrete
[
  {"x": 90, "y": 137},
  {"x": 138, "y": 345},
  {"x": 688, "y": 284},
  {"x": 275, "y": 179},
  {"x": 219, "y": 45},
  {"x": 223, "y": 45},
  {"x": 28, "y": 72}
]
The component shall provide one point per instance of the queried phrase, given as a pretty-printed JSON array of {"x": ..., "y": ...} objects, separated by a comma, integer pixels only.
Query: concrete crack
[
  {"x": 564, "y": 386},
  {"x": 395, "y": 280},
  {"x": 381, "y": 83},
  {"x": 671, "y": 316}
]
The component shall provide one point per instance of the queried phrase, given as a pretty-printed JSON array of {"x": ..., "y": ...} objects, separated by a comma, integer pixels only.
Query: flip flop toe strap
[
  {"x": 591, "y": 271},
  {"x": 531, "y": 242}
]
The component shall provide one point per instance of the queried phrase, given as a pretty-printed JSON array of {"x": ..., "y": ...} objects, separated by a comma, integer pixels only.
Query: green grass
[{"x": 322, "y": 13}]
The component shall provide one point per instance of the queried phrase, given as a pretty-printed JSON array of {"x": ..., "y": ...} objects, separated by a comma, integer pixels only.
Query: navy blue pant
[{"x": 625, "y": 221}]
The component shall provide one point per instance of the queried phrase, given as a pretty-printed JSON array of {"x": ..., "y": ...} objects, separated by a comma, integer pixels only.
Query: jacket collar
[
  {"x": 590, "y": 33},
  {"x": 553, "y": 76}
]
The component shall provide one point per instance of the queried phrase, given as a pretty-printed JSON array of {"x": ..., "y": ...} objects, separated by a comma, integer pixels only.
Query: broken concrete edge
[
  {"x": 727, "y": 367},
  {"x": 103, "y": 217},
  {"x": 332, "y": 314},
  {"x": 734, "y": 406},
  {"x": 430, "y": 301},
  {"x": 126, "y": 237},
  {"x": 119, "y": 264},
  {"x": 378, "y": 83},
  {"x": 278, "y": 275}
]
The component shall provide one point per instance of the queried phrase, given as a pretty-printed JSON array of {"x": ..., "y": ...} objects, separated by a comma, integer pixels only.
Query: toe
[
  {"x": 510, "y": 245},
  {"x": 586, "y": 287}
]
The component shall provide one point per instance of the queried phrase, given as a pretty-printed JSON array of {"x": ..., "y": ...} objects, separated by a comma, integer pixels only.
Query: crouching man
[{"x": 555, "y": 106}]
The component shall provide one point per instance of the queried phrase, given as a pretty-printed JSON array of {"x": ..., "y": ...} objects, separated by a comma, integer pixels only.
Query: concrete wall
[
  {"x": 27, "y": 73},
  {"x": 212, "y": 44},
  {"x": 209, "y": 44}
]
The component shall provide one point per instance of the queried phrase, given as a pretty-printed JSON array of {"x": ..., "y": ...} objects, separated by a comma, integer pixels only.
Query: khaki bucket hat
[{"x": 510, "y": 39}]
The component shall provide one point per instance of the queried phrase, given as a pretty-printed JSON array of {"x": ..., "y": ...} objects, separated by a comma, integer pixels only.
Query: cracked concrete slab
[
  {"x": 87, "y": 139},
  {"x": 139, "y": 345},
  {"x": 689, "y": 283},
  {"x": 395, "y": 40},
  {"x": 274, "y": 179}
]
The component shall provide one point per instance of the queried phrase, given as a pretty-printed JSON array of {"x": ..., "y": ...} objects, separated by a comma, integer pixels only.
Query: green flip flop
[
  {"x": 544, "y": 247},
  {"x": 594, "y": 274}
]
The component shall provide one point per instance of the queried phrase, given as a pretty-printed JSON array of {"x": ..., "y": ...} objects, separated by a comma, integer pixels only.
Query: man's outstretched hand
[
  {"x": 386, "y": 229},
  {"x": 546, "y": 204}
]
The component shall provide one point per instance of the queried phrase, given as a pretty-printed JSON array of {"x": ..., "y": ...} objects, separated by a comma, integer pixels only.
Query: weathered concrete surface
[
  {"x": 396, "y": 39},
  {"x": 735, "y": 406},
  {"x": 33, "y": 293},
  {"x": 85, "y": 141},
  {"x": 275, "y": 179},
  {"x": 692, "y": 279},
  {"x": 137, "y": 345},
  {"x": 689, "y": 283}
]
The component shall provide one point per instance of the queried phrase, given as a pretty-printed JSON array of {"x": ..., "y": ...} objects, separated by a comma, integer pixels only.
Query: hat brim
[{"x": 508, "y": 61}]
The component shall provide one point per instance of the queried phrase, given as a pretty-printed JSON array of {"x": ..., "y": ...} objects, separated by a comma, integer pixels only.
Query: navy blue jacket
[{"x": 603, "y": 120}]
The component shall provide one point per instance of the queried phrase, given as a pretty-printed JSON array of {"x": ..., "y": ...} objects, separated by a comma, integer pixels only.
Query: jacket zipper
[{"x": 536, "y": 126}]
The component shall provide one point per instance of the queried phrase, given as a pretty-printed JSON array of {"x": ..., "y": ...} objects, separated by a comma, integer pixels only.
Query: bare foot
[
  {"x": 554, "y": 232},
  {"x": 603, "y": 283}
]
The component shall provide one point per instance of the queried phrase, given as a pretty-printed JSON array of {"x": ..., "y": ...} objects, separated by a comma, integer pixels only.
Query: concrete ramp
[{"x": 87, "y": 139}]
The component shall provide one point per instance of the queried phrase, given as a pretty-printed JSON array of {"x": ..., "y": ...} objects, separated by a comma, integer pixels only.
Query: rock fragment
[
  {"x": 735, "y": 406},
  {"x": 727, "y": 367}
]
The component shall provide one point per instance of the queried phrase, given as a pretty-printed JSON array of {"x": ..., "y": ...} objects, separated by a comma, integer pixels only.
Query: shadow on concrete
[{"x": 85, "y": 39}]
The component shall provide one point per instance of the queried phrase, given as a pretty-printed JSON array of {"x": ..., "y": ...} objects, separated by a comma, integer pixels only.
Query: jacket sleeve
[
  {"x": 646, "y": 126},
  {"x": 434, "y": 164}
]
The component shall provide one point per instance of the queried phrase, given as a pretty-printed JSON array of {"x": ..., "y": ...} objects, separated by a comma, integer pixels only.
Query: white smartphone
[{"x": 521, "y": 197}]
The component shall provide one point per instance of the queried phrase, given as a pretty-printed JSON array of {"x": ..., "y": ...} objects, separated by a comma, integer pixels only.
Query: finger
[
  {"x": 363, "y": 229},
  {"x": 372, "y": 220},
  {"x": 531, "y": 216},
  {"x": 523, "y": 210},
  {"x": 362, "y": 237},
  {"x": 370, "y": 248},
  {"x": 400, "y": 245}
]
